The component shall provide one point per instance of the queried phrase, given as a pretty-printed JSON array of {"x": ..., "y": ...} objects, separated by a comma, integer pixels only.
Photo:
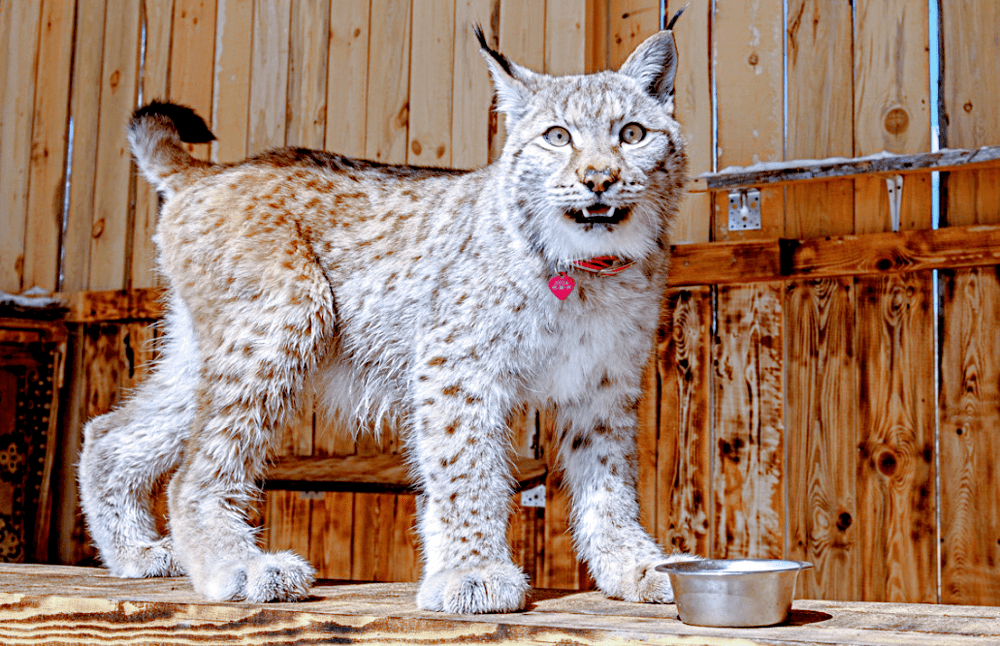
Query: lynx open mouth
[{"x": 598, "y": 214}]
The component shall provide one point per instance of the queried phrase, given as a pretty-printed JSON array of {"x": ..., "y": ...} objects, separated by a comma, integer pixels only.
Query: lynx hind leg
[
  {"x": 126, "y": 451},
  {"x": 251, "y": 384}
]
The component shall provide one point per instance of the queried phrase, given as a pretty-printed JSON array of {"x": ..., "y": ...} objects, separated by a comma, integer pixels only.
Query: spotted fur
[{"x": 416, "y": 292}]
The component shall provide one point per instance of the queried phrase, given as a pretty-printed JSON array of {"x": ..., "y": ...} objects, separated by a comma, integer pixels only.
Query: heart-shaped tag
[{"x": 562, "y": 286}]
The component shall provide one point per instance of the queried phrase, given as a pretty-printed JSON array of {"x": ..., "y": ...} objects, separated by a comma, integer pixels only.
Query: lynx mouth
[{"x": 598, "y": 214}]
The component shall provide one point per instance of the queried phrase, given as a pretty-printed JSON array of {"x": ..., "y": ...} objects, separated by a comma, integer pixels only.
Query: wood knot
[
  {"x": 897, "y": 121},
  {"x": 416, "y": 147},
  {"x": 968, "y": 106},
  {"x": 844, "y": 521},
  {"x": 887, "y": 463},
  {"x": 752, "y": 59}
]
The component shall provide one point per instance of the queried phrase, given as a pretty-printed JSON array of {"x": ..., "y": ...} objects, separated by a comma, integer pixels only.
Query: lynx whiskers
[{"x": 424, "y": 293}]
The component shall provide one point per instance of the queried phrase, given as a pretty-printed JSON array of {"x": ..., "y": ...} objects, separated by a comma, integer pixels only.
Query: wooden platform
[{"x": 66, "y": 605}]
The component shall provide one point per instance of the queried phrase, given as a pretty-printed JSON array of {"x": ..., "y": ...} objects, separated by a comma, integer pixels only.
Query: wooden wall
[{"x": 800, "y": 418}]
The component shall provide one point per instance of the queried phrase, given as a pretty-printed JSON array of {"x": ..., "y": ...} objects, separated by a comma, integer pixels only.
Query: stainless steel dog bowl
[{"x": 733, "y": 592}]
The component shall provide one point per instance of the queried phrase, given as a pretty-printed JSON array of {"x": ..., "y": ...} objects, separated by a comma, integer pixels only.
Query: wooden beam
[
  {"x": 381, "y": 473},
  {"x": 710, "y": 263},
  {"x": 818, "y": 170},
  {"x": 43, "y": 604}
]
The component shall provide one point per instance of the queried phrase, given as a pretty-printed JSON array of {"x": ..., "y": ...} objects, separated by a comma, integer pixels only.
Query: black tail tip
[{"x": 191, "y": 128}]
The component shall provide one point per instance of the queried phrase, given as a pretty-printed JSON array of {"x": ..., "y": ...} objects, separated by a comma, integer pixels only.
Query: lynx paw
[
  {"x": 152, "y": 560},
  {"x": 282, "y": 576},
  {"x": 497, "y": 587},
  {"x": 645, "y": 584}
]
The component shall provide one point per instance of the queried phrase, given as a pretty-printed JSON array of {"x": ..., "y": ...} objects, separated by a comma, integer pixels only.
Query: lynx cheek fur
[{"x": 417, "y": 292}]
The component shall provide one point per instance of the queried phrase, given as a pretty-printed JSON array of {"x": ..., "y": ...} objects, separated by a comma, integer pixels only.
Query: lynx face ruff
[{"x": 421, "y": 293}]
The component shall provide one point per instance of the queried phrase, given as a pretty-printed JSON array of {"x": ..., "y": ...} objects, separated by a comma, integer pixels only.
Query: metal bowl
[{"x": 733, "y": 592}]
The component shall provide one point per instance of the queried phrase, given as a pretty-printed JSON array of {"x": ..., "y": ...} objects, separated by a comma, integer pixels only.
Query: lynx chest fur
[{"x": 421, "y": 294}]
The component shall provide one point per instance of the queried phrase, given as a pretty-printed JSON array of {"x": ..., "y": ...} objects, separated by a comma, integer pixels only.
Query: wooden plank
[
  {"x": 473, "y": 126},
  {"x": 286, "y": 521},
  {"x": 269, "y": 75},
  {"x": 84, "y": 108},
  {"x": 822, "y": 436},
  {"x": 19, "y": 69},
  {"x": 747, "y": 411},
  {"x": 387, "y": 111},
  {"x": 598, "y": 35},
  {"x": 110, "y": 234},
  {"x": 432, "y": 69},
  {"x": 113, "y": 305},
  {"x": 693, "y": 103},
  {"x": 233, "y": 61},
  {"x": 331, "y": 520},
  {"x": 858, "y": 255},
  {"x": 43, "y": 226},
  {"x": 748, "y": 49},
  {"x": 522, "y": 38},
  {"x": 42, "y": 604},
  {"x": 308, "y": 58},
  {"x": 684, "y": 450},
  {"x": 389, "y": 470},
  {"x": 373, "y": 533},
  {"x": 192, "y": 61},
  {"x": 891, "y": 105},
  {"x": 565, "y": 43},
  {"x": 404, "y": 563},
  {"x": 646, "y": 437},
  {"x": 820, "y": 114},
  {"x": 969, "y": 409},
  {"x": 630, "y": 23},
  {"x": 896, "y": 509},
  {"x": 346, "y": 98},
  {"x": 971, "y": 112},
  {"x": 157, "y": 20}
]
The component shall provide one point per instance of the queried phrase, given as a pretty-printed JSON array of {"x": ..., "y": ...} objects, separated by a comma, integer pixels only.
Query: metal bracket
[
  {"x": 534, "y": 497},
  {"x": 894, "y": 185},
  {"x": 744, "y": 209}
]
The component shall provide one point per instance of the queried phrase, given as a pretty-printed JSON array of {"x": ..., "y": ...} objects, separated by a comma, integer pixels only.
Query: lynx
[{"x": 449, "y": 299}]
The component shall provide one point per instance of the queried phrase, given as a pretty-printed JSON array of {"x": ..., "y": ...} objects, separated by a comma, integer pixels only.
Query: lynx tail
[{"x": 156, "y": 135}]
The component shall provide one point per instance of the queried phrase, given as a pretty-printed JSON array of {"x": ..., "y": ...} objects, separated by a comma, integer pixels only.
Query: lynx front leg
[
  {"x": 598, "y": 455},
  {"x": 461, "y": 451}
]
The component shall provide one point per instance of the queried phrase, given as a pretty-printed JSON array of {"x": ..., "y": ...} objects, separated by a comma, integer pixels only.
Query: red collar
[{"x": 603, "y": 265}]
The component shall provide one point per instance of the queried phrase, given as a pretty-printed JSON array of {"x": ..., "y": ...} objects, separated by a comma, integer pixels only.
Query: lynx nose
[{"x": 599, "y": 180}]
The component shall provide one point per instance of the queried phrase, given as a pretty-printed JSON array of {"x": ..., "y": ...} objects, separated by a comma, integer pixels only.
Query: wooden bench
[{"x": 66, "y": 605}]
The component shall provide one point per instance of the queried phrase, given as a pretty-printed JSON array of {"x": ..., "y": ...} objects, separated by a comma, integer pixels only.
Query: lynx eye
[
  {"x": 557, "y": 136},
  {"x": 632, "y": 133}
]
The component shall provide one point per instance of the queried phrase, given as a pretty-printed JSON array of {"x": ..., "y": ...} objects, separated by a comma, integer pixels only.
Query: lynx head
[{"x": 595, "y": 164}]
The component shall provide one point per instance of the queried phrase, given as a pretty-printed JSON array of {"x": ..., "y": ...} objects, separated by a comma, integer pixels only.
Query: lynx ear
[
  {"x": 510, "y": 80},
  {"x": 653, "y": 64}
]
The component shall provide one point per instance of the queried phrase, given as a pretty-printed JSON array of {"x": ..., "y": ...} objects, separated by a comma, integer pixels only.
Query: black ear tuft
[
  {"x": 190, "y": 127},
  {"x": 670, "y": 25},
  {"x": 501, "y": 60}
]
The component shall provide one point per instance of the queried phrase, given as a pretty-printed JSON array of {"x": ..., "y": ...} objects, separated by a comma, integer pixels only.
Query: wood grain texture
[
  {"x": 896, "y": 508},
  {"x": 50, "y": 123},
  {"x": 969, "y": 409},
  {"x": 565, "y": 46},
  {"x": 748, "y": 67},
  {"x": 684, "y": 449},
  {"x": 192, "y": 60},
  {"x": 821, "y": 403},
  {"x": 347, "y": 87},
  {"x": 308, "y": 57},
  {"x": 432, "y": 69},
  {"x": 748, "y": 469},
  {"x": 820, "y": 116},
  {"x": 693, "y": 103},
  {"x": 971, "y": 115},
  {"x": 157, "y": 20},
  {"x": 630, "y": 22},
  {"x": 231, "y": 86},
  {"x": 268, "y": 75},
  {"x": 891, "y": 110},
  {"x": 388, "y": 112},
  {"x": 20, "y": 36},
  {"x": 110, "y": 232},
  {"x": 473, "y": 126},
  {"x": 49, "y": 604}
]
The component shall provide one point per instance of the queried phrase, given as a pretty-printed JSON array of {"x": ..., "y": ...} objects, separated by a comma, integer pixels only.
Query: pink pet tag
[{"x": 562, "y": 286}]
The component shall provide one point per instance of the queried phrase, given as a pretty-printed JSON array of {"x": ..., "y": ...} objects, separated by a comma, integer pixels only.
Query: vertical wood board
[
  {"x": 432, "y": 67},
  {"x": 896, "y": 509},
  {"x": 969, "y": 409},
  {"x": 821, "y": 402},
  {"x": 231, "y": 83},
  {"x": 308, "y": 74},
  {"x": 388, "y": 107},
  {"x": 268, "y": 75},
  {"x": 748, "y": 465}
]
